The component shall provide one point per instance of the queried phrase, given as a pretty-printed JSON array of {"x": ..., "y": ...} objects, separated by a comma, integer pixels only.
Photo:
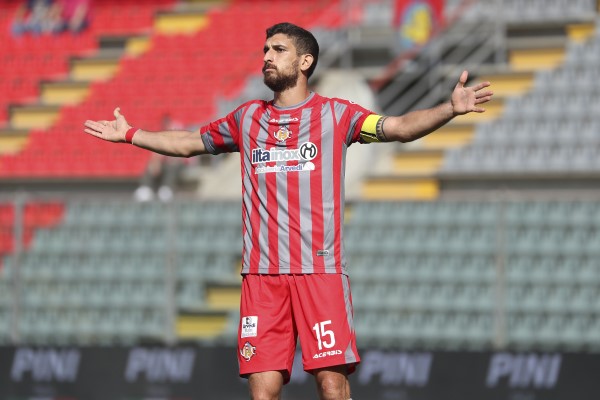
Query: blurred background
[{"x": 474, "y": 253}]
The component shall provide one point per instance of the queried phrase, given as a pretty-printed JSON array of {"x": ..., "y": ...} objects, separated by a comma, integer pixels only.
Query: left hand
[{"x": 466, "y": 99}]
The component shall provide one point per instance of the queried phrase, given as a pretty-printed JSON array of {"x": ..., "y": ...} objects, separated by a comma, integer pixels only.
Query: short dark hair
[{"x": 304, "y": 41}]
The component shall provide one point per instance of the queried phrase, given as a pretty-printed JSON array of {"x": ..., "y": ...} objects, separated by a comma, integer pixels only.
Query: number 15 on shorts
[{"x": 325, "y": 337}]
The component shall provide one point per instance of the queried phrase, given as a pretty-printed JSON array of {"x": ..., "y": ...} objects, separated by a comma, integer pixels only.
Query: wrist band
[{"x": 129, "y": 134}]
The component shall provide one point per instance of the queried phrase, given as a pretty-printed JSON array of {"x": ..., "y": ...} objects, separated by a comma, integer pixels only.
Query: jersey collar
[{"x": 311, "y": 95}]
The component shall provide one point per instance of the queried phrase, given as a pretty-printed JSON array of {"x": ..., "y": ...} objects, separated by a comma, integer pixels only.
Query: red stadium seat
[
  {"x": 187, "y": 74},
  {"x": 35, "y": 215}
]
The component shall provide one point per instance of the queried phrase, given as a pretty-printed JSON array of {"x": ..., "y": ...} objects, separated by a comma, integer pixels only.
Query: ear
[{"x": 306, "y": 60}]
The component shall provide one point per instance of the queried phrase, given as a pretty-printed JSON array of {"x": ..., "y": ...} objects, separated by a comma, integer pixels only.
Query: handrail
[{"x": 399, "y": 62}]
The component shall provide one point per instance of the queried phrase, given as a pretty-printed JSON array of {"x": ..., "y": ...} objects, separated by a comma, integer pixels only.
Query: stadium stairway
[
  {"x": 43, "y": 122},
  {"x": 56, "y": 149},
  {"x": 415, "y": 172},
  {"x": 540, "y": 139}
]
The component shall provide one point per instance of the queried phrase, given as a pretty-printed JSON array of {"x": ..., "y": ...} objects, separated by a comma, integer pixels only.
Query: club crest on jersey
[
  {"x": 282, "y": 134},
  {"x": 248, "y": 351}
]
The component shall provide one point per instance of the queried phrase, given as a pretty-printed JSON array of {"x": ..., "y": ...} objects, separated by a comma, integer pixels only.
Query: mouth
[{"x": 268, "y": 68}]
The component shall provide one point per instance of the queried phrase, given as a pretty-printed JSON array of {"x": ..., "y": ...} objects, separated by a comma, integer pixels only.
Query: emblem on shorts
[
  {"x": 248, "y": 351},
  {"x": 282, "y": 134}
]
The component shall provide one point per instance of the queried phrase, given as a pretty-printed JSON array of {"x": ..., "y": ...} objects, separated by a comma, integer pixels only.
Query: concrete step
[
  {"x": 180, "y": 22},
  {"x": 94, "y": 68},
  {"x": 509, "y": 83},
  {"x": 536, "y": 59},
  {"x": 421, "y": 162},
  {"x": 221, "y": 296},
  {"x": 201, "y": 325},
  {"x": 449, "y": 136},
  {"x": 401, "y": 188},
  {"x": 36, "y": 116},
  {"x": 63, "y": 93},
  {"x": 12, "y": 140}
]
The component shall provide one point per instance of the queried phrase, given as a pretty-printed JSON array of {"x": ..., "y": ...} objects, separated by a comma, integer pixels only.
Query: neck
[{"x": 290, "y": 97}]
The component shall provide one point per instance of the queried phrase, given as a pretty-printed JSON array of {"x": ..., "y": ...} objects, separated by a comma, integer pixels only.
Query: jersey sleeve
[
  {"x": 361, "y": 124},
  {"x": 222, "y": 135},
  {"x": 369, "y": 128}
]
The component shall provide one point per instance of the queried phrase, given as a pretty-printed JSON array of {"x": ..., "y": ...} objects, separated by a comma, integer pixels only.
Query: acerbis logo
[
  {"x": 328, "y": 353},
  {"x": 283, "y": 120},
  {"x": 307, "y": 151}
]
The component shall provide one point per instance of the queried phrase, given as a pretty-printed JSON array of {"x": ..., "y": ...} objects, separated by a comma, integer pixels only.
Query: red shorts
[{"x": 277, "y": 309}]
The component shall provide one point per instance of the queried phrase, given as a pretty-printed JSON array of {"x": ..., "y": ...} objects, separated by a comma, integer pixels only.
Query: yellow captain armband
[{"x": 372, "y": 129}]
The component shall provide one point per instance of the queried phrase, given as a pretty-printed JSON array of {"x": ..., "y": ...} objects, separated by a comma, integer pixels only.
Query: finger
[
  {"x": 488, "y": 93},
  {"x": 93, "y": 132},
  {"x": 481, "y": 85},
  {"x": 483, "y": 99},
  {"x": 463, "y": 78},
  {"x": 94, "y": 125},
  {"x": 117, "y": 112}
]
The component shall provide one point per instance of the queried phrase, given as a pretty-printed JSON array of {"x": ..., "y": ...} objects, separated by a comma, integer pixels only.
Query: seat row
[
  {"x": 544, "y": 270},
  {"x": 473, "y": 214},
  {"x": 182, "y": 213},
  {"x": 134, "y": 267},
  {"x": 475, "y": 331},
  {"x": 95, "y": 327},
  {"x": 532, "y": 10},
  {"x": 474, "y": 240}
]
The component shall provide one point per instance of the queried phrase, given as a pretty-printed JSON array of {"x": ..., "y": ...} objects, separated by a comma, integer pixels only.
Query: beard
[{"x": 278, "y": 82}]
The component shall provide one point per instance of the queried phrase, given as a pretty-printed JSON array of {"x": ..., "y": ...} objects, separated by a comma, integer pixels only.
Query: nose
[{"x": 268, "y": 56}]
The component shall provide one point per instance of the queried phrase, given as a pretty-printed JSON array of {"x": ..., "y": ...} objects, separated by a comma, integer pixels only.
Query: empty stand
[
  {"x": 429, "y": 278},
  {"x": 552, "y": 129},
  {"x": 469, "y": 274},
  {"x": 104, "y": 272},
  {"x": 433, "y": 274}
]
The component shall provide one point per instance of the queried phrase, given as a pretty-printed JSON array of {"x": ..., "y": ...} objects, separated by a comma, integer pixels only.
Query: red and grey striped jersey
[{"x": 292, "y": 164}]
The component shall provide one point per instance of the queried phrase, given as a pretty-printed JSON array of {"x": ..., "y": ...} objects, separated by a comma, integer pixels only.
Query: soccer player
[{"x": 293, "y": 153}]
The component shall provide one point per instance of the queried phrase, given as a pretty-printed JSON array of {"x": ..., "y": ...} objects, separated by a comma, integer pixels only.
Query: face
[{"x": 281, "y": 63}]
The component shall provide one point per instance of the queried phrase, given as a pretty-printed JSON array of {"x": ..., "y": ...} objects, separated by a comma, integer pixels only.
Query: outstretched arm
[
  {"x": 170, "y": 143},
  {"x": 416, "y": 124}
]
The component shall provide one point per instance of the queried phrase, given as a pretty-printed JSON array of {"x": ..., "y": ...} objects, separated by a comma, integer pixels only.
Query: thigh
[
  {"x": 266, "y": 333},
  {"x": 323, "y": 313}
]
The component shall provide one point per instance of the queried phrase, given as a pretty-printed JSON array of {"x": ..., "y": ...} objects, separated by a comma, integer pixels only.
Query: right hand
[{"x": 113, "y": 131}]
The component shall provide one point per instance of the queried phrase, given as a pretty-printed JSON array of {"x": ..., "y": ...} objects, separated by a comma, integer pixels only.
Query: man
[{"x": 292, "y": 159}]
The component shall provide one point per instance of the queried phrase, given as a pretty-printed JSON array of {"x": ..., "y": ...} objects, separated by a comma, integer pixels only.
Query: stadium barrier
[{"x": 210, "y": 372}]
